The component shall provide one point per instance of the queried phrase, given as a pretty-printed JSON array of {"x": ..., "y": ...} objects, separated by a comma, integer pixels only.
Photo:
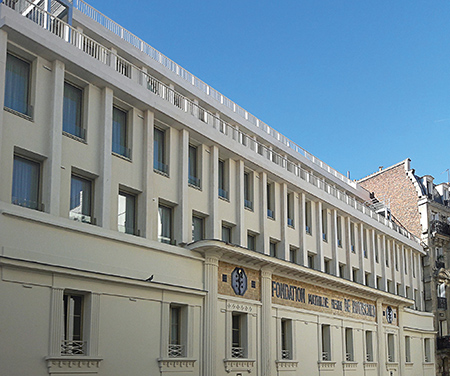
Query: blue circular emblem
[{"x": 239, "y": 281}]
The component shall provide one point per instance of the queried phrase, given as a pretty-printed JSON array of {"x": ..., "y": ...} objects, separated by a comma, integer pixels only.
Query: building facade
[
  {"x": 423, "y": 208},
  {"x": 149, "y": 225}
]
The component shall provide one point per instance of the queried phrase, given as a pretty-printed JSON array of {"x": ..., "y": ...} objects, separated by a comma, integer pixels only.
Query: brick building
[{"x": 423, "y": 208}]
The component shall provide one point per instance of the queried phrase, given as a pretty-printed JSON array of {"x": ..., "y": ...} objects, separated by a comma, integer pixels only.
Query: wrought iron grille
[
  {"x": 237, "y": 352},
  {"x": 176, "y": 351},
  {"x": 73, "y": 347}
]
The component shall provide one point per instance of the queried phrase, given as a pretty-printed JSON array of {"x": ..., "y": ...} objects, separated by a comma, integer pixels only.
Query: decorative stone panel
[
  {"x": 236, "y": 365},
  {"x": 286, "y": 365},
  {"x": 73, "y": 364},
  {"x": 326, "y": 365},
  {"x": 176, "y": 364}
]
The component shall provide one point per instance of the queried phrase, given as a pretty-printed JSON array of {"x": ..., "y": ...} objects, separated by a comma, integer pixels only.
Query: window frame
[
  {"x": 223, "y": 180},
  {"x": 127, "y": 229},
  {"x": 160, "y": 151},
  {"x": 125, "y": 129},
  {"x": 81, "y": 135},
  {"x": 28, "y": 112},
  {"x": 37, "y": 186},
  {"x": 82, "y": 217},
  {"x": 198, "y": 220},
  {"x": 162, "y": 238},
  {"x": 194, "y": 179}
]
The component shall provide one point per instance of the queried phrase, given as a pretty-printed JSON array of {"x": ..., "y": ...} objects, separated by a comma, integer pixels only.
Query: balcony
[
  {"x": 442, "y": 303},
  {"x": 443, "y": 343},
  {"x": 440, "y": 227}
]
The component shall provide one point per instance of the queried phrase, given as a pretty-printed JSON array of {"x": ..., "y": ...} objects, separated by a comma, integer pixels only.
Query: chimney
[{"x": 380, "y": 168}]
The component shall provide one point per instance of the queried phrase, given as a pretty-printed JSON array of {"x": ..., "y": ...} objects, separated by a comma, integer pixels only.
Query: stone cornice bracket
[
  {"x": 176, "y": 364},
  {"x": 244, "y": 365},
  {"x": 72, "y": 365}
]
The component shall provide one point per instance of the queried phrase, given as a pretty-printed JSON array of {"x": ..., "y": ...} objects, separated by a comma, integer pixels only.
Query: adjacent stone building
[{"x": 423, "y": 207}]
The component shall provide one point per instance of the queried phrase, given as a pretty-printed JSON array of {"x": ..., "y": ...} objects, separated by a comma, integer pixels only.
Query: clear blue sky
[{"x": 359, "y": 84}]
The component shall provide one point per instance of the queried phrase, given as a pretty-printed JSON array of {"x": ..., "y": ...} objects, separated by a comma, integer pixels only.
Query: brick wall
[{"x": 394, "y": 186}]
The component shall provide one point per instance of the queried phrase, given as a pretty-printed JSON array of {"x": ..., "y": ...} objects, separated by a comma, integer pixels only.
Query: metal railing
[
  {"x": 441, "y": 227},
  {"x": 441, "y": 303},
  {"x": 285, "y": 354},
  {"x": 326, "y": 356},
  {"x": 237, "y": 352},
  {"x": 140, "y": 77},
  {"x": 73, "y": 347},
  {"x": 176, "y": 351},
  {"x": 138, "y": 43}
]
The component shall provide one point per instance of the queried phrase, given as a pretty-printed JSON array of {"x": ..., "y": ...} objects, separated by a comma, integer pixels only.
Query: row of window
[{"x": 17, "y": 99}]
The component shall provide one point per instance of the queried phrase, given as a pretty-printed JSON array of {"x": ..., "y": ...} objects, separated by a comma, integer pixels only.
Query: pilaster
[
  {"x": 56, "y": 321},
  {"x": 267, "y": 364},
  {"x": 102, "y": 206},
  {"x": 183, "y": 221},
  {"x": 263, "y": 243},
  {"x": 334, "y": 242},
  {"x": 215, "y": 225},
  {"x": 381, "y": 340},
  {"x": 319, "y": 237},
  {"x": 52, "y": 198},
  {"x": 148, "y": 207},
  {"x": 210, "y": 320},
  {"x": 302, "y": 229},
  {"x": 401, "y": 341},
  {"x": 361, "y": 250},
  {"x": 284, "y": 246},
  {"x": 240, "y": 210},
  {"x": 94, "y": 329},
  {"x": 4, "y": 196}
]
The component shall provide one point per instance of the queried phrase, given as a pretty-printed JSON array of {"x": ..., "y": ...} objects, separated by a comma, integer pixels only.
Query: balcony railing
[
  {"x": 237, "y": 352},
  {"x": 138, "y": 43},
  {"x": 285, "y": 354},
  {"x": 440, "y": 227},
  {"x": 443, "y": 343},
  {"x": 326, "y": 356},
  {"x": 161, "y": 167},
  {"x": 248, "y": 204},
  {"x": 442, "y": 303},
  {"x": 140, "y": 77},
  {"x": 194, "y": 181},
  {"x": 223, "y": 193},
  {"x": 176, "y": 351},
  {"x": 73, "y": 347}
]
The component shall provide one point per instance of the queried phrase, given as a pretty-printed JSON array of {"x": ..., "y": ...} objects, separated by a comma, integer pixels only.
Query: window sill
[
  {"x": 326, "y": 365},
  {"x": 73, "y": 364},
  {"x": 409, "y": 364},
  {"x": 197, "y": 187},
  {"x": 370, "y": 365},
  {"x": 176, "y": 364},
  {"x": 286, "y": 364},
  {"x": 73, "y": 137},
  {"x": 224, "y": 198},
  {"x": 239, "y": 364},
  {"x": 249, "y": 209},
  {"x": 122, "y": 157},
  {"x": 159, "y": 172},
  {"x": 20, "y": 114}
]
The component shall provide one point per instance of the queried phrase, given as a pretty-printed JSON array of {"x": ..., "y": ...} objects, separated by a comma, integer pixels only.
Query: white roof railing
[{"x": 141, "y": 45}]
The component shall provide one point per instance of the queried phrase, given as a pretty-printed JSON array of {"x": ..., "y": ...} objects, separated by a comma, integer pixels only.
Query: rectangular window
[
  {"x": 290, "y": 209},
  {"x": 365, "y": 243},
  {"x": 165, "y": 226},
  {"x": 407, "y": 349},
  {"x": 126, "y": 218},
  {"x": 386, "y": 255},
  {"x": 349, "y": 356},
  {"x": 223, "y": 191},
  {"x": 248, "y": 191},
  {"x": 238, "y": 335},
  {"x": 159, "y": 151},
  {"x": 327, "y": 265},
  {"x": 355, "y": 274},
  {"x": 311, "y": 260},
  {"x": 251, "y": 242},
  {"x": 391, "y": 348},
  {"x": 396, "y": 256},
  {"x": 197, "y": 228},
  {"x": 26, "y": 183},
  {"x": 369, "y": 346},
  {"x": 414, "y": 265},
  {"x": 427, "y": 346},
  {"x": 339, "y": 231},
  {"x": 376, "y": 250},
  {"x": 326, "y": 342},
  {"x": 273, "y": 249},
  {"x": 270, "y": 201},
  {"x": 176, "y": 346},
  {"x": 379, "y": 283},
  {"x": 342, "y": 270},
  {"x": 72, "y": 342},
  {"x": 286, "y": 339},
  {"x": 293, "y": 255},
  {"x": 17, "y": 85},
  {"x": 81, "y": 199},
  {"x": 226, "y": 234},
  {"x": 73, "y": 111},
  {"x": 367, "y": 278},
  {"x": 325, "y": 225},
  {"x": 308, "y": 219},
  {"x": 120, "y": 133},
  {"x": 193, "y": 177},
  {"x": 352, "y": 237}
]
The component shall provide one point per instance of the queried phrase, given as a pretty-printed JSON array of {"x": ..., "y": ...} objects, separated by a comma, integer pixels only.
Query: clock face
[{"x": 389, "y": 314}]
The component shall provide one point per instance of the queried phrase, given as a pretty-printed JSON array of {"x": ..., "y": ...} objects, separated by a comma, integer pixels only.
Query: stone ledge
[
  {"x": 233, "y": 365},
  {"x": 176, "y": 364},
  {"x": 392, "y": 366},
  {"x": 286, "y": 364},
  {"x": 326, "y": 365},
  {"x": 369, "y": 365},
  {"x": 73, "y": 364},
  {"x": 349, "y": 365}
]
